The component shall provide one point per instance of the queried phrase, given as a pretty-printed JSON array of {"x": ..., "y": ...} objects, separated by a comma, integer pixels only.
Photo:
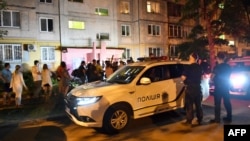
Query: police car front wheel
[{"x": 116, "y": 118}]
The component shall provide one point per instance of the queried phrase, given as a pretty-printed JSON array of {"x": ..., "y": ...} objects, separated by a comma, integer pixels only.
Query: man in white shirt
[{"x": 37, "y": 78}]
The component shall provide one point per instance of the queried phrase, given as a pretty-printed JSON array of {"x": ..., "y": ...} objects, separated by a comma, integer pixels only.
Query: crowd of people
[
  {"x": 94, "y": 70},
  {"x": 14, "y": 82},
  {"x": 42, "y": 78}
]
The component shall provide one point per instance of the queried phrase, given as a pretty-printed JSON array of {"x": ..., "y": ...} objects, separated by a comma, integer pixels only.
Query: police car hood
[{"x": 98, "y": 88}]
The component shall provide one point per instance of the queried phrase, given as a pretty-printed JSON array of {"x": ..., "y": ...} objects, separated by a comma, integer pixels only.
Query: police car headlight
[
  {"x": 87, "y": 100},
  {"x": 238, "y": 80}
]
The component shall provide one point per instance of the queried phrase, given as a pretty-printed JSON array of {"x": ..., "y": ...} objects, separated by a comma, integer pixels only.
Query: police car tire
[{"x": 122, "y": 115}]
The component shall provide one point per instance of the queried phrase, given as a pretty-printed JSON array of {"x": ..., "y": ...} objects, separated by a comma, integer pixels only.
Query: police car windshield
[{"x": 125, "y": 75}]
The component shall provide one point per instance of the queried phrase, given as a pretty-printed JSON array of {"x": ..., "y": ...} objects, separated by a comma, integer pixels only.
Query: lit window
[
  {"x": 76, "y": 25},
  {"x": 153, "y": 7},
  {"x": 47, "y": 54},
  {"x": 125, "y": 30},
  {"x": 175, "y": 31},
  {"x": 102, "y": 36},
  {"x": 46, "y": 1},
  {"x": 124, "y": 7},
  {"x": 76, "y": 1},
  {"x": 46, "y": 24},
  {"x": 10, "y": 52},
  {"x": 231, "y": 43},
  {"x": 222, "y": 36},
  {"x": 101, "y": 11},
  {"x": 9, "y": 19},
  {"x": 154, "y": 30}
]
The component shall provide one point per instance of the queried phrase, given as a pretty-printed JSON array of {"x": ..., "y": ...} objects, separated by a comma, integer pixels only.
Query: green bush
[{"x": 28, "y": 79}]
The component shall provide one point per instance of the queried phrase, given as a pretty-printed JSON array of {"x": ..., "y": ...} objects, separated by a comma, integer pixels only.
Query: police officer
[
  {"x": 220, "y": 77},
  {"x": 192, "y": 79}
]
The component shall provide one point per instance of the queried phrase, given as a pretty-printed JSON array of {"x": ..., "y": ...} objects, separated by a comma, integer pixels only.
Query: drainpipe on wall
[
  {"x": 139, "y": 35},
  {"x": 59, "y": 19}
]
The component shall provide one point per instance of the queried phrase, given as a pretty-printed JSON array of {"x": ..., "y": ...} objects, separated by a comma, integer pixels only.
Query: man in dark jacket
[
  {"x": 192, "y": 79},
  {"x": 221, "y": 76}
]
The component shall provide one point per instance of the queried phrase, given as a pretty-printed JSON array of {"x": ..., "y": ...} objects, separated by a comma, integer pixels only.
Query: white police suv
[{"x": 134, "y": 91}]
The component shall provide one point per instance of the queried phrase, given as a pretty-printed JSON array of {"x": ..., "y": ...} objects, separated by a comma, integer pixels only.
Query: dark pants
[
  {"x": 37, "y": 88},
  {"x": 193, "y": 97},
  {"x": 220, "y": 94}
]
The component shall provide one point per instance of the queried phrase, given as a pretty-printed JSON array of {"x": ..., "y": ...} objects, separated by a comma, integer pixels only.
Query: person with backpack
[{"x": 81, "y": 72}]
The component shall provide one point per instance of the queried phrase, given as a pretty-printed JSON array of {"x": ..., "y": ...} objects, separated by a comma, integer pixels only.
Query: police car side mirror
[{"x": 145, "y": 81}]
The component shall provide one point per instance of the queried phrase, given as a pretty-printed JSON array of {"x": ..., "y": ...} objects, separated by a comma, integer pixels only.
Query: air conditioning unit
[{"x": 31, "y": 47}]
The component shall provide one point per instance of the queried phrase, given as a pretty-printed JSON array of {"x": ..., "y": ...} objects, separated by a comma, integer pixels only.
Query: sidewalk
[{"x": 31, "y": 110}]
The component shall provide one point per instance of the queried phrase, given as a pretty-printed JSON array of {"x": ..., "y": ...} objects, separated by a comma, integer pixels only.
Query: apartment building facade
[
  {"x": 128, "y": 28},
  {"x": 32, "y": 34},
  {"x": 74, "y": 30}
]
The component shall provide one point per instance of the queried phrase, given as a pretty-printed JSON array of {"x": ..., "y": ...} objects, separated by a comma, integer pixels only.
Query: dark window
[
  {"x": 175, "y": 31},
  {"x": 46, "y": 1},
  {"x": 50, "y": 25},
  {"x": 125, "y": 30},
  {"x": 154, "y": 30},
  {"x": 102, "y": 36},
  {"x": 155, "y": 74},
  {"x": 176, "y": 70},
  {"x": 156, "y": 52},
  {"x": 46, "y": 24},
  {"x": 174, "y": 9},
  {"x": 173, "y": 50},
  {"x": 9, "y": 18},
  {"x": 77, "y": 1}
]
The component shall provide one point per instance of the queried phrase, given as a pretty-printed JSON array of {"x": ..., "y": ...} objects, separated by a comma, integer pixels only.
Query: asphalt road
[{"x": 163, "y": 127}]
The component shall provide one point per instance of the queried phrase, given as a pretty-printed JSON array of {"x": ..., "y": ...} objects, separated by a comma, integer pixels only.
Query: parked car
[
  {"x": 239, "y": 78},
  {"x": 134, "y": 91},
  {"x": 240, "y": 81}
]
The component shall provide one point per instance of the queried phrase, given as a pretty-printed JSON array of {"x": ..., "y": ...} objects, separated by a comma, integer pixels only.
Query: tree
[
  {"x": 198, "y": 43},
  {"x": 234, "y": 19},
  {"x": 246, "y": 4},
  {"x": 205, "y": 11},
  {"x": 218, "y": 17},
  {"x": 2, "y": 6}
]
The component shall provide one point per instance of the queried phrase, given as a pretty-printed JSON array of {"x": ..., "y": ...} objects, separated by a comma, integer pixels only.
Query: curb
[
  {"x": 31, "y": 121},
  {"x": 31, "y": 112}
]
